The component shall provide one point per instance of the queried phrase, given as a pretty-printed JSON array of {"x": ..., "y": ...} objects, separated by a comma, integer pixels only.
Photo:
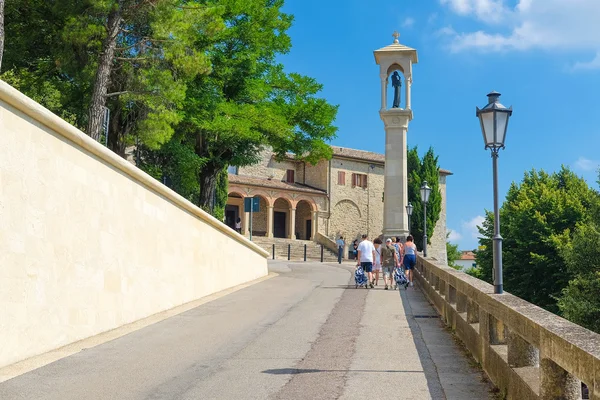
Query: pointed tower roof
[{"x": 396, "y": 47}]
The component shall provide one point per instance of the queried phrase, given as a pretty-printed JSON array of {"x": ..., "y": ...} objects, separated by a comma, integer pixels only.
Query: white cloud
[
  {"x": 454, "y": 236},
  {"x": 552, "y": 25},
  {"x": 491, "y": 11},
  {"x": 592, "y": 64},
  {"x": 469, "y": 228},
  {"x": 408, "y": 22},
  {"x": 586, "y": 164}
]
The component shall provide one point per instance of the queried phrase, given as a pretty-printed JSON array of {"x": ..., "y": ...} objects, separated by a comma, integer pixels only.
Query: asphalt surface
[{"x": 305, "y": 334}]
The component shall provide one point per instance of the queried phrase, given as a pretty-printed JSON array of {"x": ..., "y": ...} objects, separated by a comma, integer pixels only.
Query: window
[
  {"x": 359, "y": 180},
  {"x": 341, "y": 178},
  {"x": 232, "y": 169},
  {"x": 289, "y": 177}
]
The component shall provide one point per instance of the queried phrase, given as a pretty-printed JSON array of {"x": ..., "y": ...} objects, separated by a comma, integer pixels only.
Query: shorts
[
  {"x": 367, "y": 266},
  {"x": 409, "y": 261},
  {"x": 377, "y": 267},
  {"x": 387, "y": 271}
]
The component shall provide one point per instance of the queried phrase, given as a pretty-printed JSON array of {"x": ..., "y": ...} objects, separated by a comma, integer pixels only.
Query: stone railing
[
  {"x": 527, "y": 352},
  {"x": 326, "y": 242}
]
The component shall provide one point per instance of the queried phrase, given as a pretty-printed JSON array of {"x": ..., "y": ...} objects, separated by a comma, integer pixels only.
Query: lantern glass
[
  {"x": 425, "y": 191},
  {"x": 409, "y": 209}
]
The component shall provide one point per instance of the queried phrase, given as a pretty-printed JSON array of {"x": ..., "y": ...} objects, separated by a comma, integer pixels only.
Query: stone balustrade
[{"x": 527, "y": 352}]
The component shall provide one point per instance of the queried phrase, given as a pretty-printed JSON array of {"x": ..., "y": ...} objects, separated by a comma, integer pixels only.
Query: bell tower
[{"x": 395, "y": 61}]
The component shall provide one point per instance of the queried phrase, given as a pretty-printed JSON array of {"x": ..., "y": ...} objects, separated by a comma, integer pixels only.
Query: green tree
[
  {"x": 453, "y": 253},
  {"x": 452, "y": 250},
  {"x": 248, "y": 102},
  {"x": 580, "y": 302},
  {"x": 536, "y": 220},
  {"x": 134, "y": 56},
  {"x": 419, "y": 170}
]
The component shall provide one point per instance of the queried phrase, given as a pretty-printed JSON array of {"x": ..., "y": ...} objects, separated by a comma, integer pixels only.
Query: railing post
[
  {"x": 304, "y": 252},
  {"x": 321, "y": 253},
  {"x": 520, "y": 352},
  {"x": 273, "y": 251},
  {"x": 556, "y": 383},
  {"x": 289, "y": 250}
]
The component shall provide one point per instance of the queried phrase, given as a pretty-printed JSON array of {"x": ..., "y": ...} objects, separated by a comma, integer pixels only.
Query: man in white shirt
[
  {"x": 341, "y": 244},
  {"x": 366, "y": 256}
]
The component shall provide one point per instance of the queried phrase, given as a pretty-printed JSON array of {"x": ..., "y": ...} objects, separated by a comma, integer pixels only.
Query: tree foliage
[
  {"x": 453, "y": 254},
  {"x": 248, "y": 102},
  {"x": 580, "y": 301},
  {"x": 134, "y": 56},
  {"x": 419, "y": 170},
  {"x": 195, "y": 84},
  {"x": 537, "y": 221}
]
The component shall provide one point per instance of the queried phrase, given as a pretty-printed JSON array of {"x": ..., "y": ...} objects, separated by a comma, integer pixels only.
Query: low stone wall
[
  {"x": 88, "y": 242},
  {"x": 527, "y": 352}
]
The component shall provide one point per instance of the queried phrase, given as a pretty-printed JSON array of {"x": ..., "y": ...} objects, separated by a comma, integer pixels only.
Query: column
[
  {"x": 313, "y": 225},
  {"x": 269, "y": 221},
  {"x": 384, "y": 81},
  {"x": 395, "y": 220},
  {"x": 292, "y": 228},
  {"x": 407, "y": 85},
  {"x": 246, "y": 224}
]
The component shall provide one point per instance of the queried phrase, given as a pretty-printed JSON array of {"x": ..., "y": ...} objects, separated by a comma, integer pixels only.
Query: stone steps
[{"x": 313, "y": 250}]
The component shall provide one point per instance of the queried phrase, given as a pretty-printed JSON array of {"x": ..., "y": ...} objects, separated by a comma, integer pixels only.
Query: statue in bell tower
[{"x": 397, "y": 84}]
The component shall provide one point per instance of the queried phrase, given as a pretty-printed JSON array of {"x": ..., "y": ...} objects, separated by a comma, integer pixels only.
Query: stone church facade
[{"x": 341, "y": 196}]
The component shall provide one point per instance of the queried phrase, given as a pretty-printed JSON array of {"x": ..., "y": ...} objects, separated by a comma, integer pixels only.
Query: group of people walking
[{"x": 377, "y": 258}]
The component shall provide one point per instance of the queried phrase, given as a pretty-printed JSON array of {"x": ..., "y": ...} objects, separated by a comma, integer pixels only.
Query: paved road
[{"x": 304, "y": 334}]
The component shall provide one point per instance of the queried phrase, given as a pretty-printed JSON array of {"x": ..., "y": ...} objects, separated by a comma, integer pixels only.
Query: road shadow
[{"x": 424, "y": 310}]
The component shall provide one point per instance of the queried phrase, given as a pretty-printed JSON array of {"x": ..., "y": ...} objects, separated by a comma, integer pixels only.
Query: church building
[{"x": 299, "y": 201}]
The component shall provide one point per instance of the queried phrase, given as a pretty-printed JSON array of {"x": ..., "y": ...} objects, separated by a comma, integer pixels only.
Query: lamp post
[
  {"x": 425, "y": 191},
  {"x": 409, "y": 210},
  {"x": 493, "y": 119}
]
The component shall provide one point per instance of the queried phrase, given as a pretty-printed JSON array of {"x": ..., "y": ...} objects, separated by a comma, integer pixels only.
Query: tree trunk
[
  {"x": 1, "y": 31},
  {"x": 102, "y": 81},
  {"x": 208, "y": 184}
]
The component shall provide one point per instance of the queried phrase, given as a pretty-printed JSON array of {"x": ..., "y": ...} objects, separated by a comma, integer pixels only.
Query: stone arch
[
  {"x": 283, "y": 202},
  {"x": 283, "y": 227},
  {"x": 237, "y": 192},
  {"x": 346, "y": 220},
  {"x": 263, "y": 194},
  {"x": 304, "y": 228},
  {"x": 395, "y": 67},
  {"x": 310, "y": 201}
]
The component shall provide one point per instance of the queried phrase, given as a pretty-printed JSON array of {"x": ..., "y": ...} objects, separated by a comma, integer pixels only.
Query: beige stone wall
[
  {"x": 316, "y": 175},
  {"x": 268, "y": 167},
  {"x": 89, "y": 243},
  {"x": 355, "y": 210},
  {"x": 437, "y": 248}
]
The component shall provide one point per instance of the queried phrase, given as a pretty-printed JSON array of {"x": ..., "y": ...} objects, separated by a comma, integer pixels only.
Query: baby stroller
[
  {"x": 400, "y": 278},
  {"x": 360, "y": 279}
]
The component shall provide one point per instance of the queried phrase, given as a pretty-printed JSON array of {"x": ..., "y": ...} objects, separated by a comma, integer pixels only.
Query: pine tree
[{"x": 419, "y": 170}]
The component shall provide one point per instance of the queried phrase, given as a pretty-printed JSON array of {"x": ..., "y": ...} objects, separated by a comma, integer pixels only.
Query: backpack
[{"x": 387, "y": 255}]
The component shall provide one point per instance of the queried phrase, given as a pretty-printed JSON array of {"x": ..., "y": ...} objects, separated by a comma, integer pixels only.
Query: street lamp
[
  {"x": 494, "y": 121},
  {"x": 409, "y": 209},
  {"x": 425, "y": 191}
]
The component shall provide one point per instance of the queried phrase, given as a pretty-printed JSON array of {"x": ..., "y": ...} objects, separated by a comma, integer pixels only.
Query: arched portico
[
  {"x": 283, "y": 218},
  {"x": 306, "y": 220}
]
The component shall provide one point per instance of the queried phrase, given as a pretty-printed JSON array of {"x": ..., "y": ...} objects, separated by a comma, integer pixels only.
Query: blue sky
[{"x": 542, "y": 55}]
